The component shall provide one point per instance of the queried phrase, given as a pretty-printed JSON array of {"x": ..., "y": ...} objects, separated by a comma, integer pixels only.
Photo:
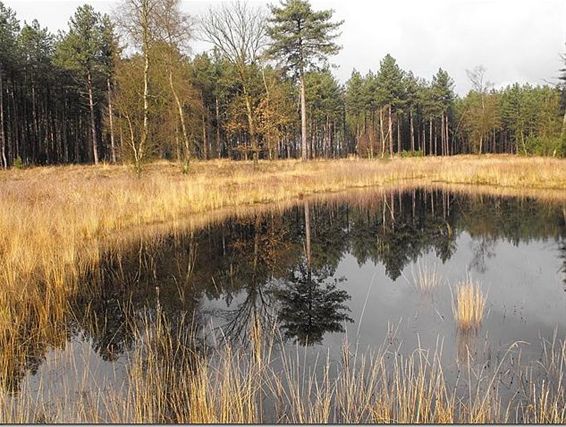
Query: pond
[{"x": 371, "y": 269}]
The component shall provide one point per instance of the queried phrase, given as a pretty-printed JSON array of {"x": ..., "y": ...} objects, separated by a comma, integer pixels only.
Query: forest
[{"x": 128, "y": 89}]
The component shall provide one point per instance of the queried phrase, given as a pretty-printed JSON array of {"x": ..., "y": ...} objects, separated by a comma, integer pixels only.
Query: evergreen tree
[
  {"x": 390, "y": 87},
  {"x": 325, "y": 110},
  {"x": 443, "y": 97},
  {"x": 355, "y": 106},
  {"x": 301, "y": 39},
  {"x": 411, "y": 88},
  {"x": 81, "y": 52},
  {"x": 111, "y": 52},
  {"x": 9, "y": 28}
]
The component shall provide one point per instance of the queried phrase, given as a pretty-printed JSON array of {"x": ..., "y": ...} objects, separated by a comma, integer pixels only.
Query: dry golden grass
[
  {"x": 469, "y": 306},
  {"x": 54, "y": 221}
]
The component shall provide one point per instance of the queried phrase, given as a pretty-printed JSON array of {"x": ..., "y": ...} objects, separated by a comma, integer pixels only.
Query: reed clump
[{"x": 469, "y": 306}]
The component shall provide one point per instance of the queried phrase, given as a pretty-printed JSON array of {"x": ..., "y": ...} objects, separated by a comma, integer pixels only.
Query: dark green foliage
[
  {"x": 301, "y": 38},
  {"x": 45, "y": 115},
  {"x": 311, "y": 306},
  {"x": 390, "y": 83}
]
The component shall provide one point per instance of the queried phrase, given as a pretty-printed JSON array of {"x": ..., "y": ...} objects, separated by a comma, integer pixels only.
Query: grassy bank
[{"x": 90, "y": 201}]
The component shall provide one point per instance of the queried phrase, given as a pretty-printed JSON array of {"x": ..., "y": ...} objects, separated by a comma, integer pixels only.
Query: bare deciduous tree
[
  {"x": 174, "y": 29},
  {"x": 138, "y": 19},
  {"x": 238, "y": 31},
  {"x": 483, "y": 118}
]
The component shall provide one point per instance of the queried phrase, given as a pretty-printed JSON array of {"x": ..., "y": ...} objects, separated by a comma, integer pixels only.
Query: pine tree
[
  {"x": 9, "y": 28},
  {"x": 355, "y": 103},
  {"x": 81, "y": 52},
  {"x": 390, "y": 87},
  {"x": 443, "y": 97},
  {"x": 110, "y": 55},
  {"x": 301, "y": 39},
  {"x": 411, "y": 87},
  {"x": 325, "y": 100}
]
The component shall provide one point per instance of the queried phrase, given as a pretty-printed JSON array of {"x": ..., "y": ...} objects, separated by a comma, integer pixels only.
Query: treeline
[
  {"x": 393, "y": 111},
  {"x": 126, "y": 89}
]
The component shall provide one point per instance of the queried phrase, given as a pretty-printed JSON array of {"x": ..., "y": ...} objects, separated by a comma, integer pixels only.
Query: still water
[{"x": 324, "y": 272}]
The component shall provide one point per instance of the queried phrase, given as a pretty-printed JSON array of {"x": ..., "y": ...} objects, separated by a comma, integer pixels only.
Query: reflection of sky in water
[
  {"x": 523, "y": 280},
  {"x": 525, "y": 298},
  {"x": 526, "y": 303}
]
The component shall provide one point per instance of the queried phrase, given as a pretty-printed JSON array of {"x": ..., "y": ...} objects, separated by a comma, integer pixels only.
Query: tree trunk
[
  {"x": 2, "y": 133},
  {"x": 382, "y": 133},
  {"x": 34, "y": 137},
  {"x": 430, "y": 136},
  {"x": 390, "y": 131},
  {"x": 442, "y": 134},
  {"x": 447, "y": 135},
  {"x": 92, "y": 118},
  {"x": 186, "y": 142},
  {"x": 204, "y": 138},
  {"x": 178, "y": 144},
  {"x": 218, "y": 142},
  {"x": 303, "y": 117},
  {"x": 145, "y": 48},
  {"x": 412, "y": 131},
  {"x": 251, "y": 127},
  {"x": 311, "y": 140},
  {"x": 307, "y": 233},
  {"x": 111, "y": 121},
  {"x": 399, "y": 145}
]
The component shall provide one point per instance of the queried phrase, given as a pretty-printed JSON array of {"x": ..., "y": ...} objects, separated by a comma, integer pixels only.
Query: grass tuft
[{"x": 469, "y": 306}]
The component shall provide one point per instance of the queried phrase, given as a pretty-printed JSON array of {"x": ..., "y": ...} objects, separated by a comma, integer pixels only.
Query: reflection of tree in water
[
  {"x": 244, "y": 260},
  {"x": 403, "y": 227},
  {"x": 309, "y": 305},
  {"x": 260, "y": 254},
  {"x": 482, "y": 249},
  {"x": 134, "y": 282}
]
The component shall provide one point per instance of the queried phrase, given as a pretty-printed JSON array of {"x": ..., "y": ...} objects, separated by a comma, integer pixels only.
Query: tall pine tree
[{"x": 301, "y": 38}]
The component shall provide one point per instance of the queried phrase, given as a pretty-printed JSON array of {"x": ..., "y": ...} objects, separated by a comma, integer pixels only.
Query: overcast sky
[{"x": 516, "y": 41}]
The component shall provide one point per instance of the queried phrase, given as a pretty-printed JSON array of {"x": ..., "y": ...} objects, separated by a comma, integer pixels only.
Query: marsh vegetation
[{"x": 323, "y": 308}]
